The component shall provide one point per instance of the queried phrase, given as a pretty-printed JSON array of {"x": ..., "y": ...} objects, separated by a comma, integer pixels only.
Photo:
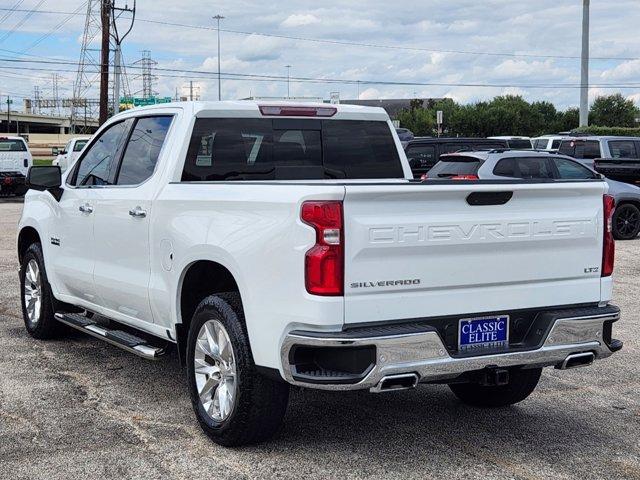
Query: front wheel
[
  {"x": 626, "y": 222},
  {"x": 234, "y": 404},
  {"x": 37, "y": 300},
  {"x": 521, "y": 384}
]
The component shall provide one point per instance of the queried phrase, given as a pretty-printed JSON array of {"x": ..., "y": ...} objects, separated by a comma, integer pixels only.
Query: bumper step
[{"x": 120, "y": 338}]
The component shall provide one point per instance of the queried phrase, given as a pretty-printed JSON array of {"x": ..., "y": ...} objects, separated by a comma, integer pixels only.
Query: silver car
[{"x": 514, "y": 164}]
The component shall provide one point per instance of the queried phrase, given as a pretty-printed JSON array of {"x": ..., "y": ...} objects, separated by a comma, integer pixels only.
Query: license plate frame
[{"x": 489, "y": 341}]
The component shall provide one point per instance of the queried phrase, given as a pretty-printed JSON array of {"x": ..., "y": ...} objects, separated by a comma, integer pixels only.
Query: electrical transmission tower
[
  {"x": 100, "y": 29},
  {"x": 146, "y": 64},
  {"x": 36, "y": 97},
  {"x": 88, "y": 74}
]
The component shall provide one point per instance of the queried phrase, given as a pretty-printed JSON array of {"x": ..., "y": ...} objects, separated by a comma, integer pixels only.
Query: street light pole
[
  {"x": 218, "y": 18},
  {"x": 584, "y": 67},
  {"x": 288, "y": 67}
]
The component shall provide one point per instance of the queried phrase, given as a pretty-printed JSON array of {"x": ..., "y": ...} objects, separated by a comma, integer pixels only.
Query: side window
[
  {"x": 97, "y": 166},
  {"x": 79, "y": 145},
  {"x": 567, "y": 147},
  {"x": 568, "y": 170},
  {"x": 541, "y": 144},
  {"x": 142, "y": 150},
  {"x": 555, "y": 144},
  {"x": 505, "y": 168},
  {"x": 623, "y": 149},
  {"x": 524, "y": 167}
]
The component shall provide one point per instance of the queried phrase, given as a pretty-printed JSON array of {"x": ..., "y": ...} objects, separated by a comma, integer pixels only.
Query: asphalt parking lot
[{"x": 78, "y": 408}]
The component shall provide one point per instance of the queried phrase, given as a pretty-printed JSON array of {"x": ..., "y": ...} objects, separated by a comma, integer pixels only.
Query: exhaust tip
[
  {"x": 403, "y": 381},
  {"x": 575, "y": 360}
]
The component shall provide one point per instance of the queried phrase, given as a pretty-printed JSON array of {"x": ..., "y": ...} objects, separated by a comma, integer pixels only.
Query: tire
[
  {"x": 521, "y": 384},
  {"x": 37, "y": 309},
  {"x": 258, "y": 403},
  {"x": 626, "y": 221}
]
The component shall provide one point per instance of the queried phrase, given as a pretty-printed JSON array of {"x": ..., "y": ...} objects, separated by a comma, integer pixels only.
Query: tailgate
[
  {"x": 11, "y": 161},
  {"x": 422, "y": 250}
]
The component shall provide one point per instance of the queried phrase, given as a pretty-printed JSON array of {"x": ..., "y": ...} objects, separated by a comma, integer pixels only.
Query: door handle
[
  {"x": 86, "y": 208},
  {"x": 137, "y": 212}
]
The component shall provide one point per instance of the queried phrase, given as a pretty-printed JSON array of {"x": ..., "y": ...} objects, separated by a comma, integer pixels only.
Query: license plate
[{"x": 483, "y": 333}]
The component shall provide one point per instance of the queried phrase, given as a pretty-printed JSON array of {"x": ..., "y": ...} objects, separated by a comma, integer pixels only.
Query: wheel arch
[
  {"x": 198, "y": 280},
  {"x": 27, "y": 236}
]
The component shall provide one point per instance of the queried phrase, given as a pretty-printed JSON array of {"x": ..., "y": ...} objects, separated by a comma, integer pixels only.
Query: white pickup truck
[
  {"x": 15, "y": 160},
  {"x": 280, "y": 245}
]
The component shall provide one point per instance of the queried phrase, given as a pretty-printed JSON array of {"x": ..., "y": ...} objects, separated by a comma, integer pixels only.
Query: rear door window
[
  {"x": 451, "y": 167},
  {"x": 555, "y": 144},
  {"x": 524, "y": 167},
  {"x": 290, "y": 149},
  {"x": 79, "y": 145},
  {"x": 454, "y": 148},
  {"x": 541, "y": 143},
  {"x": 623, "y": 149}
]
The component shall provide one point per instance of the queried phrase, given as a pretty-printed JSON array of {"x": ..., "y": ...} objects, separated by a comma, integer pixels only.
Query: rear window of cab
[
  {"x": 228, "y": 149},
  {"x": 12, "y": 145},
  {"x": 454, "y": 167}
]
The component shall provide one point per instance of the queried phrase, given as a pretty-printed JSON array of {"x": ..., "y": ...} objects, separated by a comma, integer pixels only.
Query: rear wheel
[
  {"x": 626, "y": 221},
  {"x": 235, "y": 405},
  {"x": 37, "y": 300},
  {"x": 521, "y": 384}
]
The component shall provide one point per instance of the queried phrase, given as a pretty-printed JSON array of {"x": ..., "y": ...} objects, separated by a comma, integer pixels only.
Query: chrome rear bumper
[{"x": 424, "y": 353}]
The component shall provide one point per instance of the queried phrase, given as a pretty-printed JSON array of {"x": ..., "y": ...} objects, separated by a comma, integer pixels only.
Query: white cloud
[
  {"x": 300, "y": 20},
  {"x": 370, "y": 93}
]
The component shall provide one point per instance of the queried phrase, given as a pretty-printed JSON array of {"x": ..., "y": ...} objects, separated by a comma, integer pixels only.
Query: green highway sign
[{"x": 142, "y": 102}]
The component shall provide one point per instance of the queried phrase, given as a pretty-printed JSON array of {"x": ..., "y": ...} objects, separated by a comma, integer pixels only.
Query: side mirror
[
  {"x": 55, "y": 151},
  {"x": 45, "y": 178}
]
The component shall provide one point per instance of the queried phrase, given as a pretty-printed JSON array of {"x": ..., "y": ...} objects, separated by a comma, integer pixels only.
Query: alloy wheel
[
  {"x": 215, "y": 370},
  {"x": 33, "y": 291}
]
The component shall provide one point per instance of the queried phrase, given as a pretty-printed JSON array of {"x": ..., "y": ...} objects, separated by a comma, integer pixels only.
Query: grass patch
[{"x": 42, "y": 161}]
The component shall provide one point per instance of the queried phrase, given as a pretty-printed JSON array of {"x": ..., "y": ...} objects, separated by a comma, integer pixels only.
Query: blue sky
[{"x": 424, "y": 35}]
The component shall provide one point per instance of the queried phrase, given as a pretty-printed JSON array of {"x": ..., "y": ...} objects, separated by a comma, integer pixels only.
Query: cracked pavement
[{"x": 80, "y": 408}]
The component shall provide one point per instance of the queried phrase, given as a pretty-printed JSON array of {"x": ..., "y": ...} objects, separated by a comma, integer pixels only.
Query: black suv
[{"x": 424, "y": 153}]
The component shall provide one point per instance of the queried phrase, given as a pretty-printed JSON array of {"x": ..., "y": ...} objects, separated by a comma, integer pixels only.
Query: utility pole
[
  {"x": 584, "y": 67},
  {"x": 191, "y": 90},
  {"x": 288, "y": 67},
  {"x": 218, "y": 18},
  {"x": 116, "y": 12},
  {"x": 105, "y": 15}
]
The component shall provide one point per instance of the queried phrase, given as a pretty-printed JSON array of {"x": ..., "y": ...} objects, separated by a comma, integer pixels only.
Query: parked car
[
  {"x": 542, "y": 166},
  {"x": 424, "y": 153},
  {"x": 15, "y": 160},
  {"x": 549, "y": 143},
  {"x": 280, "y": 245},
  {"x": 404, "y": 134},
  {"x": 517, "y": 143},
  {"x": 70, "y": 152},
  {"x": 615, "y": 156}
]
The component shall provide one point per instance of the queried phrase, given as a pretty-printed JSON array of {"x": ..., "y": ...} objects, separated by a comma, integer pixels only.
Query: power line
[
  {"x": 358, "y": 44},
  {"x": 21, "y": 22},
  {"x": 56, "y": 28},
  {"x": 322, "y": 80},
  {"x": 10, "y": 11}
]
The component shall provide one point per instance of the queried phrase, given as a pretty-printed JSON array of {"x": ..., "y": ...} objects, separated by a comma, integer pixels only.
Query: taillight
[
  {"x": 324, "y": 262},
  {"x": 465, "y": 177},
  {"x": 297, "y": 111},
  {"x": 608, "y": 244}
]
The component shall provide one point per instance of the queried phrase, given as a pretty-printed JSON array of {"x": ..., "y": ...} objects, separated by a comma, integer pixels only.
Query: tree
[
  {"x": 613, "y": 111},
  {"x": 418, "y": 120}
]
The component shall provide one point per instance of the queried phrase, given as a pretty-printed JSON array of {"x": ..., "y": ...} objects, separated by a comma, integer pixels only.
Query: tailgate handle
[{"x": 489, "y": 198}]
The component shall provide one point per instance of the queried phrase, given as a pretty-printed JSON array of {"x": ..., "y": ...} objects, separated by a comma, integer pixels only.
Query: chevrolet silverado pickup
[{"x": 288, "y": 244}]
